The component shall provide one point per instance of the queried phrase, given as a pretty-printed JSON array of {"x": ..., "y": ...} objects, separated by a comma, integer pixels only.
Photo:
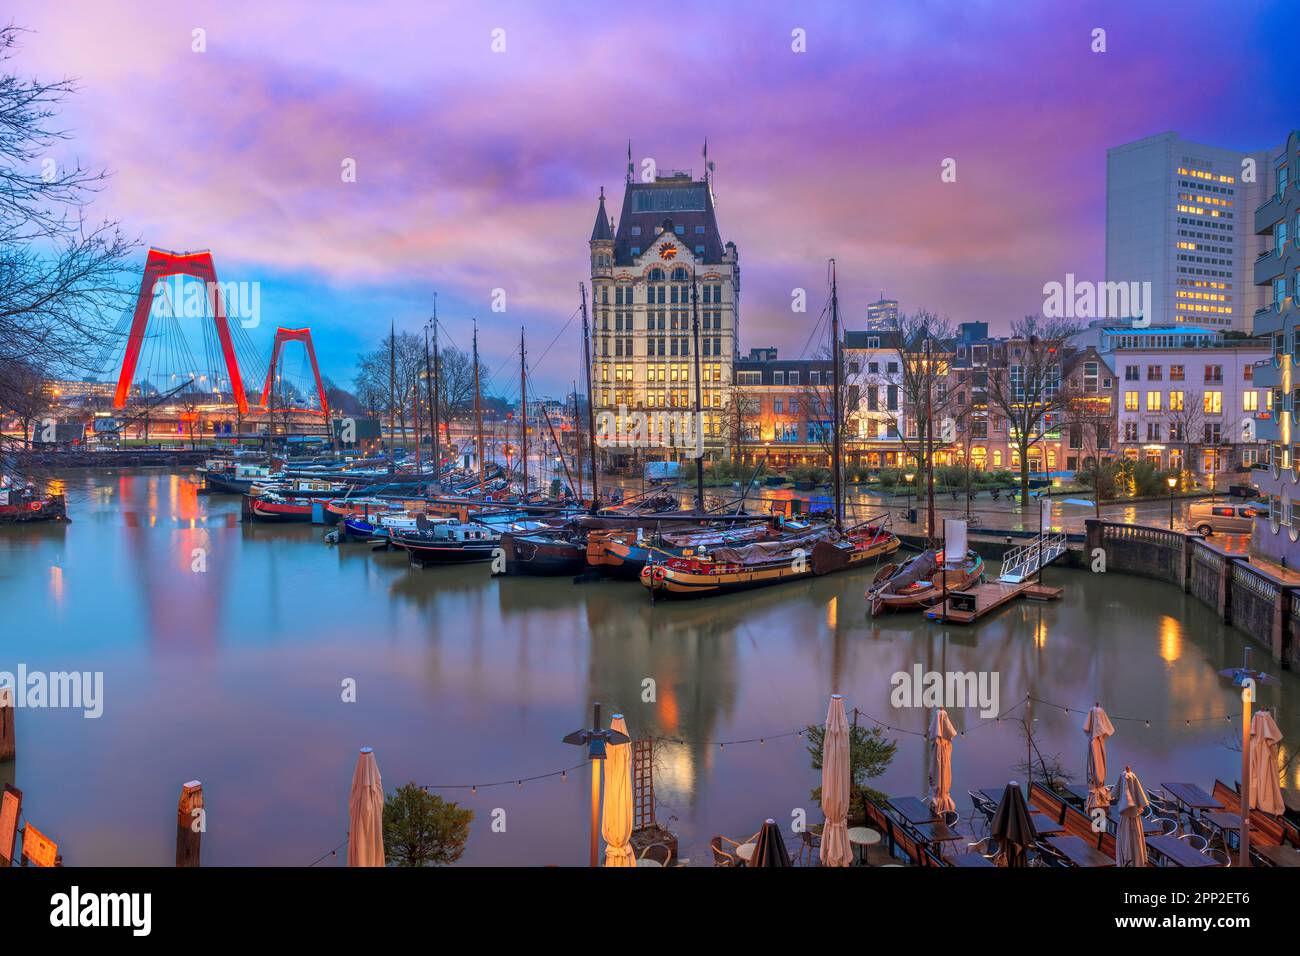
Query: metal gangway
[{"x": 1023, "y": 562}]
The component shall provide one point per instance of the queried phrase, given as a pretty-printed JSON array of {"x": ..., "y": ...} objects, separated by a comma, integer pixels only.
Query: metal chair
[
  {"x": 987, "y": 848},
  {"x": 1195, "y": 841},
  {"x": 1050, "y": 855},
  {"x": 658, "y": 852},
  {"x": 1218, "y": 856},
  {"x": 1168, "y": 825},
  {"x": 810, "y": 843}
]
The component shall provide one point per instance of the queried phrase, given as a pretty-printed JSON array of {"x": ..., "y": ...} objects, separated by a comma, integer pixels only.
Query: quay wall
[
  {"x": 130, "y": 458},
  {"x": 1261, "y": 605}
]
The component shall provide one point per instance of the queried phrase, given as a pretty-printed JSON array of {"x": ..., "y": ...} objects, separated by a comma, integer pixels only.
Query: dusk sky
[{"x": 479, "y": 170}]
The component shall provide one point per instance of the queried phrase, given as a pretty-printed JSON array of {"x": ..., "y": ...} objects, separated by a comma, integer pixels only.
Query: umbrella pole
[
  {"x": 595, "y": 812},
  {"x": 1247, "y": 695}
]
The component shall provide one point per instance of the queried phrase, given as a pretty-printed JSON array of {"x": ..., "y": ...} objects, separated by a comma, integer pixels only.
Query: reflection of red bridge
[{"x": 160, "y": 264}]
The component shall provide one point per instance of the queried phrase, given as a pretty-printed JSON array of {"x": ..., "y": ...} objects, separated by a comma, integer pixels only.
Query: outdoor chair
[
  {"x": 1195, "y": 841},
  {"x": 720, "y": 856},
  {"x": 987, "y": 848},
  {"x": 658, "y": 852},
  {"x": 951, "y": 818},
  {"x": 1218, "y": 856},
  {"x": 1168, "y": 825},
  {"x": 810, "y": 843},
  {"x": 1050, "y": 855}
]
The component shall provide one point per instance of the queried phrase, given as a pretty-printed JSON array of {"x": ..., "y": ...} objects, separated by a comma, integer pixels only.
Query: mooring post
[
  {"x": 191, "y": 821},
  {"x": 8, "y": 740}
]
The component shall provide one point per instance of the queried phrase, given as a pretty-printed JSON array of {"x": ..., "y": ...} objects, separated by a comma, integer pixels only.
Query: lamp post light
[
  {"x": 596, "y": 740},
  {"x": 1213, "y": 481},
  {"x": 1173, "y": 482},
  {"x": 908, "y": 478}
]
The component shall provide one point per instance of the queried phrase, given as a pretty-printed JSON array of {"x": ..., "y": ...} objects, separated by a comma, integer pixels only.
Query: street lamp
[
  {"x": 1173, "y": 481},
  {"x": 1212, "y": 484},
  {"x": 596, "y": 740},
  {"x": 908, "y": 478}
]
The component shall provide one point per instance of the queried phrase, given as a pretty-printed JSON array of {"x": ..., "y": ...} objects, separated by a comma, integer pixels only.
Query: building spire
[{"x": 601, "y": 232}]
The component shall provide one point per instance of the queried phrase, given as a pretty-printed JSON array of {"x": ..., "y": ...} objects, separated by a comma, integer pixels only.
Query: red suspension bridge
[{"x": 151, "y": 356}]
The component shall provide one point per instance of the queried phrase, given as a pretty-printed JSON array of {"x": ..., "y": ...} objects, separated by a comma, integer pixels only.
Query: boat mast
[
  {"x": 930, "y": 535},
  {"x": 478, "y": 417},
  {"x": 577, "y": 441},
  {"x": 699, "y": 414},
  {"x": 415, "y": 402},
  {"x": 392, "y": 394},
  {"x": 835, "y": 398},
  {"x": 523, "y": 413},
  {"x": 591, "y": 414},
  {"x": 430, "y": 387}
]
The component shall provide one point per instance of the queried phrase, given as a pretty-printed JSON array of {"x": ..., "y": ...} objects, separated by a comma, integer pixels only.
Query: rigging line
[
  {"x": 816, "y": 328},
  {"x": 565, "y": 327}
]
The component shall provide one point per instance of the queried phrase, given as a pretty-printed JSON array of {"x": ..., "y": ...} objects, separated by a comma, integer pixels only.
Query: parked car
[{"x": 1222, "y": 517}]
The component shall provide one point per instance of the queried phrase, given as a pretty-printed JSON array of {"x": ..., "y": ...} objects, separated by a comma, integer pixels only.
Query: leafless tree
[
  {"x": 61, "y": 273},
  {"x": 926, "y": 353},
  {"x": 1025, "y": 382}
]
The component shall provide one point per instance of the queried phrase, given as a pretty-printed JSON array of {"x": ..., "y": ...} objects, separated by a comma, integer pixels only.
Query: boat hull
[
  {"x": 921, "y": 598},
  {"x": 282, "y": 512},
  {"x": 542, "y": 557},
  {"x": 445, "y": 552},
  {"x": 52, "y": 508}
]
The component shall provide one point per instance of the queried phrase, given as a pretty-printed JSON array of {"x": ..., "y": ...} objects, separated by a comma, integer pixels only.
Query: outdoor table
[
  {"x": 1045, "y": 825},
  {"x": 1177, "y": 851},
  {"x": 1228, "y": 822},
  {"x": 970, "y": 859},
  {"x": 745, "y": 852},
  {"x": 913, "y": 810},
  {"x": 939, "y": 832},
  {"x": 992, "y": 796},
  {"x": 862, "y": 837},
  {"x": 1079, "y": 792},
  {"x": 646, "y": 861},
  {"x": 1080, "y": 852},
  {"x": 1279, "y": 855},
  {"x": 1149, "y": 826},
  {"x": 1192, "y": 796}
]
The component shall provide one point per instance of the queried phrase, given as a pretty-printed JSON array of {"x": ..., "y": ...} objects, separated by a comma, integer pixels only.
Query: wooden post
[
  {"x": 190, "y": 825},
  {"x": 8, "y": 739}
]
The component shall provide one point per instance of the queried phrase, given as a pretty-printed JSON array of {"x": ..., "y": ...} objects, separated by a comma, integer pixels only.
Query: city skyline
[{"x": 249, "y": 165}]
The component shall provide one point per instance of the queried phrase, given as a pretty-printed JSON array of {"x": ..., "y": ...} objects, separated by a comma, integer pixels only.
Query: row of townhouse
[{"x": 1176, "y": 396}]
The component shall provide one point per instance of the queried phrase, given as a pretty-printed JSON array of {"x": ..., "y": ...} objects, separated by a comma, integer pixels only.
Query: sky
[{"x": 478, "y": 169}]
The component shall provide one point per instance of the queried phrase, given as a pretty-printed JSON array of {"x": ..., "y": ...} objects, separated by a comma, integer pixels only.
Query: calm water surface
[{"x": 233, "y": 676}]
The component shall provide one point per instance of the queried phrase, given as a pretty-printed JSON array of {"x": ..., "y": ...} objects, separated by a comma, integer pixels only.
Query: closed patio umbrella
[
  {"x": 942, "y": 733},
  {"x": 366, "y": 813},
  {"x": 616, "y": 822},
  {"x": 835, "y": 849},
  {"x": 1012, "y": 827},
  {"x": 1265, "y": 791},
  {"x": 1131, "y": 802},
  {"x": 1098, "y": 727},
  {"x": 770, "y": 850}
]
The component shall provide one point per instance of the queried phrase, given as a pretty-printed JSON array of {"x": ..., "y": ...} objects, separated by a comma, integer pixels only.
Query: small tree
[
  {"x": 869, "y": 754},
  {"x": 422, "y": 829}
]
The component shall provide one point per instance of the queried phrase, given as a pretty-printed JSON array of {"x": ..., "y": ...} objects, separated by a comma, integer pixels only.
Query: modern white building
[
  {"x": 1186, "y": 397},
  {"x": 1180, "y": 216},
  {"x": 642, "y": 271}
]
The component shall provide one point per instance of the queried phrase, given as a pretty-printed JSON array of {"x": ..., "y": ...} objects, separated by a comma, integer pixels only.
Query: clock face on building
[{"x": 667, "y": 252}]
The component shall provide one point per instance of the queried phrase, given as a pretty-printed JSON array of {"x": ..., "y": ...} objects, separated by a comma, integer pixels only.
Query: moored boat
[
  {"x": 763, "y": 563},
  {"x": 23, "y": 505},
  {"x": 272, "y": 507},
  {"x": 544, "y": 551},
  {"x": 921, "y": 582},
  {"x": 446, "y": 541}
]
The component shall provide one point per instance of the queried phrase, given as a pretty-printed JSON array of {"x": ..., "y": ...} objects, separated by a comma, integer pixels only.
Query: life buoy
[{"x": 36, "y": 505}]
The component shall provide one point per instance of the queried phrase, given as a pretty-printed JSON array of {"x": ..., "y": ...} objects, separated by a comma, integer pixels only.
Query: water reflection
[{"x": 232, "y": 675}]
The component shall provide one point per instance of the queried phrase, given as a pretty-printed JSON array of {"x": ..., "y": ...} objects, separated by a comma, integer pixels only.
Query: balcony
[
  {"x": 1267, "y": 268},
  {"x": 1269, "y": 215}
]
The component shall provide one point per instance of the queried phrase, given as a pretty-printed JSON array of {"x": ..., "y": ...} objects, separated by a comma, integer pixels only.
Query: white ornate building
[{"x": 643, "y": 356}]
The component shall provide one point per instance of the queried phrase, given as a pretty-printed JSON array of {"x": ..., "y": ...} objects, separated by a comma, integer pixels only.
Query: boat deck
[{"x": 966, "y": 607}]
